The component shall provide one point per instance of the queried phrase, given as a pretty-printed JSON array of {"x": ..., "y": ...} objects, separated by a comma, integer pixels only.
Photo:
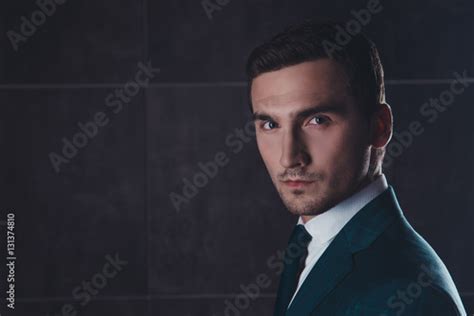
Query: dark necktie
[{"x": 294, "y": 260}]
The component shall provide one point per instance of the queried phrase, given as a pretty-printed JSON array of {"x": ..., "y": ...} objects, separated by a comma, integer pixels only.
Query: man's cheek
[
  {"x": 326, "y": 150},
  {"x": 270, "y": 153}
]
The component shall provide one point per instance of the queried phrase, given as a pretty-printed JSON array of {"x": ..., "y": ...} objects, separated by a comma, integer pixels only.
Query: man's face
[{"x": 311, "y": 135}]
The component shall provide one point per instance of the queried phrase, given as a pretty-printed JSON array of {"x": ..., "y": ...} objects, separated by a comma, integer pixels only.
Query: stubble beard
[{"x": 304, "y": 201}]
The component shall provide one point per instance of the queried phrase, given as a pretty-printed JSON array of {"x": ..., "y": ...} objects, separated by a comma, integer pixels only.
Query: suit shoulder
[
  {"x": 405, "y": 253},
  {"x": 401, "y": 260},
  {"x": 406, "y": 297}
]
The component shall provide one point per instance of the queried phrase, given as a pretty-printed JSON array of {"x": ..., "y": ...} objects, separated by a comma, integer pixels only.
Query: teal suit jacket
[{"x": 378, "y": 265}]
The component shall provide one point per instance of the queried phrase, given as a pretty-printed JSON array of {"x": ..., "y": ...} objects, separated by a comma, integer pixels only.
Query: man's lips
[{"x": 297, "y": 183}]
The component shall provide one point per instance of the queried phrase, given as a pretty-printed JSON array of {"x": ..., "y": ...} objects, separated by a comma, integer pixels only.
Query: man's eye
[
  {"x": 319, "y": 120},
  {"x": 269, "y": 125}
]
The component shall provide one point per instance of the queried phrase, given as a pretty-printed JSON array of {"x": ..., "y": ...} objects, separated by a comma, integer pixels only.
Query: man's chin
[
  {"x": 301, "y": 201},
  {"x": 302, "y": 207}
]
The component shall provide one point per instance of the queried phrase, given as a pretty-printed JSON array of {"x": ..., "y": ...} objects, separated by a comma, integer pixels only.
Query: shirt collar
[{"x": 325, "y": 226}]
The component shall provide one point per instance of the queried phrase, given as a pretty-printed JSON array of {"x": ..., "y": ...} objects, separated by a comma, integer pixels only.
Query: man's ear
[{"x": 382, "y": 126}]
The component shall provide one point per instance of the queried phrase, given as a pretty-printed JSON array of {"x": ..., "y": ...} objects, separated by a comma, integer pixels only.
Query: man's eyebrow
[
  {"x": 336, "y": 108},
  {"x": 256, "y": 116}
]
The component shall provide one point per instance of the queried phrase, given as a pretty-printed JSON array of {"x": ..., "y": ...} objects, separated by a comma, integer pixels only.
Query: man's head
[{"x": 320, "y": 114}]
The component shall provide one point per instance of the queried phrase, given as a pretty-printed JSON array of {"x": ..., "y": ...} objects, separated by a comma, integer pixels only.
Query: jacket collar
[{"x": 336, "y": 262}]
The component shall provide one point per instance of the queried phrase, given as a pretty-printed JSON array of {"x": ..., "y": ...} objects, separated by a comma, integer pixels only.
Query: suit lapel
[
  {"x": 331, "y": 268},
  {"x": 336, "y": 262}
]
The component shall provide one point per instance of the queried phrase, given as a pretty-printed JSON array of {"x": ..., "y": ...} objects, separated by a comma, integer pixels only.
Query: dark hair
[{"x": 314, "y": 40}]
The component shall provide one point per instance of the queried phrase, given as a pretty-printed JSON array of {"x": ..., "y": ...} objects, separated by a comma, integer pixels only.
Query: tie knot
[{"x": 300, "y": 237}]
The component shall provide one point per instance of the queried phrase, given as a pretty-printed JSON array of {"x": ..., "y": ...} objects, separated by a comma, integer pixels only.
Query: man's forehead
[
  {"x": 318, "y": 79},
  {"x": 297, "y": 97}
]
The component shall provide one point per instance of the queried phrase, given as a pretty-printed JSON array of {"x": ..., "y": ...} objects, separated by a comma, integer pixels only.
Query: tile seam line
[
  {"x": 142, "y": 297},
  {"x": 388, "y": 82},
  {"x": 166, "y": 296}
]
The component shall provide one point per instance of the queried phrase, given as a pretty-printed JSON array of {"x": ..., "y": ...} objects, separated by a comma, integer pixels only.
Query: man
[{"x": 322, "y": 125}]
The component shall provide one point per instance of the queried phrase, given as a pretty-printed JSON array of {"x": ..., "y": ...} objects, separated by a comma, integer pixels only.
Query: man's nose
[{"x": 293, "y": 152}]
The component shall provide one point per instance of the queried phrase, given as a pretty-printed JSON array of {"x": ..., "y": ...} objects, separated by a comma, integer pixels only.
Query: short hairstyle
[{"x": 312, "y": 40}]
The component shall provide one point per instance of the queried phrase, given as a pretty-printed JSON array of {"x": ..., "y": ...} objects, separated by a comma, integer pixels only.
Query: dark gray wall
[{"x": 113, "y": 197}]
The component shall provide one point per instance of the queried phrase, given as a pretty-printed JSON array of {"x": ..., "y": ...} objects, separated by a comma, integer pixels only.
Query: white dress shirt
[{"x": 325, "y": 226}]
